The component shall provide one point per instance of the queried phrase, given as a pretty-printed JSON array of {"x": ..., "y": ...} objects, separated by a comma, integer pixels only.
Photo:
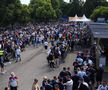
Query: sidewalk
[{"x": 26, "y": 56}]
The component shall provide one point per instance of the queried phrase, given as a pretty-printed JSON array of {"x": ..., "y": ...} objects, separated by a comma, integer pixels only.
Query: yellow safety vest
[{"x": 1, "y": 52}]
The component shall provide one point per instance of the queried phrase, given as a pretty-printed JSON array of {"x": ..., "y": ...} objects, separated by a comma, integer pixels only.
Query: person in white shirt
[
  {"x": 90, "y": 62},
  {"x": 46, "y": 45},
  {"x": 103, "y": 86},
  {"x": 69, "y": 83},
  {"x": 83, "y": 85},
  {"x": 60, "y": 35},
  {"x": 49, "y": 50}
]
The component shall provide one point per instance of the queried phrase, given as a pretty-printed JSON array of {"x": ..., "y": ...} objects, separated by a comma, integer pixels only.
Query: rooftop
[{"x": 99, "y": 30}]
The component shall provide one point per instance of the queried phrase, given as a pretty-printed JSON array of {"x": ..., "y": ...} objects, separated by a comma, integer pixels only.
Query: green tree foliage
[
  {"x": 10, "y": 11},
  {"x": 75, "y": 7},
  {"x": 56, "y": 4},
  {"x": 90, "y": 5},
  {"x": 64, "y": 7},
  {"x": 25, "y": 14},
  {"x": 100, "y": 12},
  {"x": 42, "y": 10}
]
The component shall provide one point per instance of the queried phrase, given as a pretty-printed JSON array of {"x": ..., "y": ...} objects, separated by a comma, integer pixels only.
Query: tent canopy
[
  {"x": 79, "y": 19},
  {"x": 75, "y": 18}
]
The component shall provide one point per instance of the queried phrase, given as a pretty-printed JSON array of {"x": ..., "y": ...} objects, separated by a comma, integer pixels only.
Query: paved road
[{"x": 33, "y": 65}]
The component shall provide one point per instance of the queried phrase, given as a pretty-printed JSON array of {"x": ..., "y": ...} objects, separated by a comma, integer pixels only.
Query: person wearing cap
[
  {"x": 13, "y": 81},
  {"x": 44, "y": 81}
]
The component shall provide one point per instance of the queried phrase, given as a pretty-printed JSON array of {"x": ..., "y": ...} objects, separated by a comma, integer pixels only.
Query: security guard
[{"x": 1, "y": 59}]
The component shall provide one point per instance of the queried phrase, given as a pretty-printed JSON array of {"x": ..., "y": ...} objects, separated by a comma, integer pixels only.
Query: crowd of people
[
  {"x": 79, "y": 80},
  {"x": 63, "y": 38},
  {"x": 66, "y": 80}
]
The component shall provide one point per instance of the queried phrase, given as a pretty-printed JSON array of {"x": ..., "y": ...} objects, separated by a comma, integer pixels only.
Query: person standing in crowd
[
  {"x": 54, "y": 81},
  {"x": 42, "y": 88},
  {"x": 69, "y": 83},
  {"x": 81, "y": 72},
  {"x": 103, "y": 86},
  {"x": 99, "y": 74},
  {"x": 57, "y": 54},
  {"x": 50, "y": 59},
  {"x": 56, "y": 87},
  {"x": 48, "y": 85},
  {"x": 82, "y": 85},
  {"x": 68, "y": 72},
  {"x": 2, "y": 59},
  {"x": 91, "y": 74},
  {"x": 72, "y": 45},
  {"x": 63, "y": 74},
  {"x": 44, "y": 81},
  {"x": 18, "y": 54},
  {"x": 46, "y": 45},
  {"x": 35, "y": 85},
  {"x": 60, "y": 83},
  {"x": 75, "y": 79},
  {"x": 13, "y": 81},
  {"x": 80, "y": 61}
]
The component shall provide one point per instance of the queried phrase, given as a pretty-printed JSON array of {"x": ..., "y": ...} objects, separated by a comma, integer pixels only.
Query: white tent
[
  {"x": 85, "y": 19},
  {"x": 79, "y": 19},
  {"x": 73, "y": 18}
]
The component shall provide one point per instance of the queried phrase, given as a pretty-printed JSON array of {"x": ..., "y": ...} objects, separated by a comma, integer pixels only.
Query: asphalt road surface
[{"x": 33, "y": 65}]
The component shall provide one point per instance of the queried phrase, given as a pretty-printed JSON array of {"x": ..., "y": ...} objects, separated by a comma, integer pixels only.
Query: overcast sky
[{"x": 27, "y": 1}]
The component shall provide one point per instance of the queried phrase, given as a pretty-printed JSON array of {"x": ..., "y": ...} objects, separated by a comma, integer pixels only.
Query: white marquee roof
[{"x": 79, "y": 19}]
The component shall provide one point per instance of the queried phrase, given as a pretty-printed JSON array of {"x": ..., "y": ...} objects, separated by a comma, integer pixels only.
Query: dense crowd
[
  {"x": 84, "y": 77},
  {"x": 63, "y": 38},
  {"x": 79, "y": 80}
]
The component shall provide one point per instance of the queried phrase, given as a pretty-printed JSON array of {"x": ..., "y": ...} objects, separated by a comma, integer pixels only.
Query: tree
[
  {"x": 42, "y": 10},
  {"x": 100, "y": 12},
  {"x": 75, "y": 7},
  {"x": 64, "y": 8},
  {"x": 10, "y": 11},
  {"x": 25, "y": 14},
  {"x": 56, "y": 4},
  {"x": 90, "y": 5}
]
